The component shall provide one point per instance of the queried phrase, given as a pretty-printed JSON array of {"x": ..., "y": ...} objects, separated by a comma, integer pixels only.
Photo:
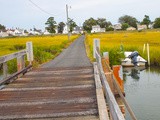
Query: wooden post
[
  {"x": 106, "y": 57},
  {"x": 29, "y": 48},
  {"x": 144, "y": 47},
  {"x": 148, "y": 54},
  {"x": 20, "y": 63},
  {"x": 96, "y": 44},
  {"x": 5, "y": 70}
]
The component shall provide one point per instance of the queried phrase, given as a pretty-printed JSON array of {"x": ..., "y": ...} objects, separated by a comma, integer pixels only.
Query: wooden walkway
[{"x": 51, "y": 93}]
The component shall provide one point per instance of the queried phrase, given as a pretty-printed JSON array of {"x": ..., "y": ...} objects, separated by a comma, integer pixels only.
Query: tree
[
  {"x": 146, "y": 20},
  {"x": 103, "y": 23},
  {"x": 51, "y": 25},
  {"x": 125, "y": 26},
  {"x": 72, "y": 24},
  {"x": 2, "y": 27},
  {"x": 87, "y": 25},
  {"x": 109, "y": 29},
  {"x": 131, "y": 21},
  {"x": 61, "y": 27},
  {"x": 157, "y": 23}
]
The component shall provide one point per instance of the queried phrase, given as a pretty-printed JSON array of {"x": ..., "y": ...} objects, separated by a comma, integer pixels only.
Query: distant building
[
  {"x": 35, "y": 32},
  {"x": 3, "y": 34},
  {"x": 77, "y": 30},
  {"x": 150, "y": 26},
  {"x": 65, "y": 29},
  {"x": 131, "y": 28},
  {"x": 16, "y": 32},
  {"x": 141, "y": 27},
  {"x": 97, "y": 28},
  {"x": 46, "y": 32},
  {"x": 117, "y": 27}
]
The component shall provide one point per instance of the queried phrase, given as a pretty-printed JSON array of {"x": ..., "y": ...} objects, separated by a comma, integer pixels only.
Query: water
[{"x": 142, "y": 90}]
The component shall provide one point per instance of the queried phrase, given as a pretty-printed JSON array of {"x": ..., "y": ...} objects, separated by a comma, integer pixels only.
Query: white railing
[{"x": 115, "y": 112}]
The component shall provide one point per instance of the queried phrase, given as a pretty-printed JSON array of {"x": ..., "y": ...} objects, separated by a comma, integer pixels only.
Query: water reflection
[
  {"x": 142, "y": 88},
  {"x": 134, "y": 72}
]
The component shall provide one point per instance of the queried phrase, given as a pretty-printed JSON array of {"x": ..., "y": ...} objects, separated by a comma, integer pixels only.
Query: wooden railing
[
  {"x": 115, "y": 112},
  {"x": 20, "y": 56}
]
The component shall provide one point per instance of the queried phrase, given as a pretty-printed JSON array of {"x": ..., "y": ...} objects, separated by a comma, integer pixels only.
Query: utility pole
[{"x": 67, "y": 23}]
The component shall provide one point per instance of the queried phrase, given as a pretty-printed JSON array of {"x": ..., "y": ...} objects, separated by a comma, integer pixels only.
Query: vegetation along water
[
  {"x": 117, "y": 42},
  {"x": 45, "y": 47}
]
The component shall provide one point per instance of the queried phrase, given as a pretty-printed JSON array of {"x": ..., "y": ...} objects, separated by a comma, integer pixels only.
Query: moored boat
[{"x": 128, "y": 62}]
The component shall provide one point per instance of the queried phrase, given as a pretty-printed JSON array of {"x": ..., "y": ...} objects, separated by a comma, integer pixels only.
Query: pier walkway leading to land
[{"x": 62, "y": 89}]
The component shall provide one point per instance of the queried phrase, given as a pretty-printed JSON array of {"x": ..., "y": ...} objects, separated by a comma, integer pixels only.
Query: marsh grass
[
  {"x": 130, "y": 41},
  {"x": 45, "y": 48}
]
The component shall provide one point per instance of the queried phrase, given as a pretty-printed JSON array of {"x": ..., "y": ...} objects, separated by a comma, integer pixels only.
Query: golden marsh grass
[{"x": 131, "y": 41}]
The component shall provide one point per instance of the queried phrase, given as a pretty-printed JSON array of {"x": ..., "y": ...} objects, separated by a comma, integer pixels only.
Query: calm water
[{"x": 142, "y": 90}]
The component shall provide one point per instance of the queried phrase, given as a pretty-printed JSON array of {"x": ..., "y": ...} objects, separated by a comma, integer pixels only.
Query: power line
[{"x": 44, "y": 11}]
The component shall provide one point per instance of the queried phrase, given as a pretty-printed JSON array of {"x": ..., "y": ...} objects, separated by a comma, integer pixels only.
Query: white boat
[{"x": 127, "y": 62}]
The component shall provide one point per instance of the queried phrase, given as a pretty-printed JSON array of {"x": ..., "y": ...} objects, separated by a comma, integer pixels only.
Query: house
[
  {"x": 77, "y": 30},
  {"x": 16, "y": 32},
  {"x": 46, "y": 32},
  {"x": 141, "y": 27},
  {"x": 131, "y": 28},
  {"x": 35, "y": 32},
  {"x": 97, "y": 28},
  {"x": 19, "y": 32},
  {"x": 65, "y": 29},
  {"x": 117, "y": 27},
  {"x": 3, "y": 34},
  {"x": 10, "y": 32},
  {"x": 56, "y": 30},
  {"x": 150, "y": 26}
]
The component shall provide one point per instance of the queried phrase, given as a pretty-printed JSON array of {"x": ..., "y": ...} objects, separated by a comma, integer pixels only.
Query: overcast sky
[{"x": 24, "y": 14}]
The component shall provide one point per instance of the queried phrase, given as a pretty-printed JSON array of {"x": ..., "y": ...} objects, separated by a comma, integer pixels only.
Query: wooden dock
[{"x": 51, "y": 93}]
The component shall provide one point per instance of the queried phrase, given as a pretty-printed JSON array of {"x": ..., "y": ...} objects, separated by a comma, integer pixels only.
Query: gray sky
[{"x": 23, "y": 14}]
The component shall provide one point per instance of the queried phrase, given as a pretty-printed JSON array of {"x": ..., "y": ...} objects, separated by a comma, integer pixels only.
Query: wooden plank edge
[{"x": 102, "y": 109}]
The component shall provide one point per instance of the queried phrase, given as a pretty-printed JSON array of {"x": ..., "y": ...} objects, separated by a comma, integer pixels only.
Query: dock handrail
[
  {"x": 115, "y": 111},
  {"x": 20, "y": 56}
]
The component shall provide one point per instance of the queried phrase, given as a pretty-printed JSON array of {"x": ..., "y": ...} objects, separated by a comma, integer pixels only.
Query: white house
[
  {"x": 3, "y": 34},
  {"x": 10, "y": 32},
  {"x": 34, "y": 32},
  {"x": 65, "y": 29},
  {"x": 77, "y": 30},
  {"x": 150, "y": 26},
  {"x": 141, "y": 27},
  {"x": 16, "y": 32},
  {"x": 46, "y": 32},
  {"x": 117, "y": 27},
  {"x": 131, "y": 28},
  {"x": 97, "y": 28}
]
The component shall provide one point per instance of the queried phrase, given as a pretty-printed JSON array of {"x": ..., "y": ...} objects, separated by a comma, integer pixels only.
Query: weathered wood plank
[
  {"x": 115, "y": 111},
  {"x": 12, "y": 56},
  {"x": 5, "y": 70},
  {"x": 102, "y": 109}
]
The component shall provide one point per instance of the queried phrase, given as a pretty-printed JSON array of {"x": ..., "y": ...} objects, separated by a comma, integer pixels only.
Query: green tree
[
  {"x": 157, "y": 23},
  {"x": 125, "y": 26},
  {"x": 87, "y": 25},
  {"x": 61, "y": 27},
  {"x": 146, "y": 20},
  {"x": 51, "y": 25},
  {"x": 72, "y": 24},
  {"x": 102, "y": 22},
  {"x": 2, "y": 27},
  {"x": 109, "y": 29},
  {"x": 131, "y": 21}
]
